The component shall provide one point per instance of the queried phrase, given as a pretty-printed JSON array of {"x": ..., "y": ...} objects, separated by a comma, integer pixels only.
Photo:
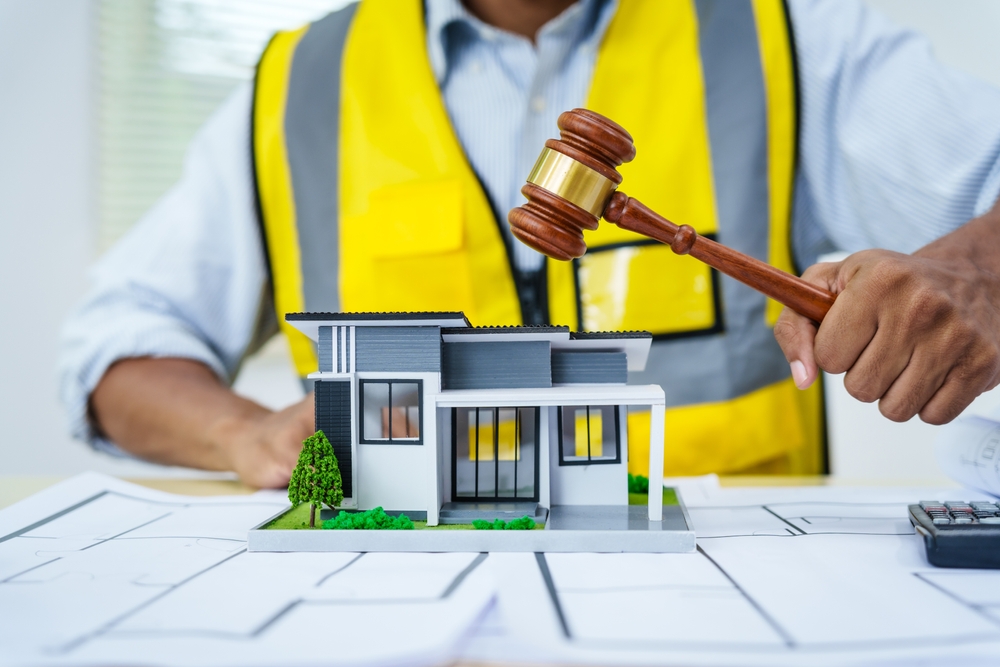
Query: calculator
[{"x": 959, "y": 534}]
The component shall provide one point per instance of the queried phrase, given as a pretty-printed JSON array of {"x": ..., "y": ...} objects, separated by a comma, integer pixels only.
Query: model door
[{"x": 495, "y": 453}]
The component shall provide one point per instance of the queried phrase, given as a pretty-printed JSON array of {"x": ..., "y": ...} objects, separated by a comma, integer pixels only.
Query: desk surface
[
  {"x": 17, "y": 487},
  {"x": 14, "y": 488}
]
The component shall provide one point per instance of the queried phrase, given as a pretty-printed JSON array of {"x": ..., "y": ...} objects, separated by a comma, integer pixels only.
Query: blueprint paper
[
  {"x": 782, "y": 576},
  {"x": 968, "y": 451},
  {"x": 98, "y": 571}
]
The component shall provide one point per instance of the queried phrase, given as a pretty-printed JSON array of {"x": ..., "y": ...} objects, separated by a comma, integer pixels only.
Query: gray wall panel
[
  {"x": 325, "y": 349},
  {"x": 500, "y": 365},
  {"x": 569, "y": 367},
  {"x": 412, "y": 349}
]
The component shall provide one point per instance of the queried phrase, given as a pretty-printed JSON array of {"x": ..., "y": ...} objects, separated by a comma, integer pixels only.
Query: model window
[
  {"x": 390, "y": 411},
  {"x": 494, "y": 453},
  {"x": 589, "y": 434}
]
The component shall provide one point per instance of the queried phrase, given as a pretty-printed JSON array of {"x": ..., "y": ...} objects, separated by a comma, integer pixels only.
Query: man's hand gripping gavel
[{"x": 919, "y": 333}]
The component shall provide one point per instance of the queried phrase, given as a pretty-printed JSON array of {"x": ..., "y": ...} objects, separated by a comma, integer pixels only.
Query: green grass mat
[{"x": 297, "y": 518}]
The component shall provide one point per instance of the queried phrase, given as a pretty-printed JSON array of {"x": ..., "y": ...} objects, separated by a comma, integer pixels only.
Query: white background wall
[
  {"x": 46, "y": 221},
  {"x": 47, "y": 235}
]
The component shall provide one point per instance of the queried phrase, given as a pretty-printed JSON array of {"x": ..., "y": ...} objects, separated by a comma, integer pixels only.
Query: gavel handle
[{"x": 806, "y": 299}]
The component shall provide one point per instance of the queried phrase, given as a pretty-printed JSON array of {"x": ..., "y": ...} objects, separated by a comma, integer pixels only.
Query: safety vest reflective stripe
[
  {"x": 390, "y": 216},
  {"x": 274, "y": 186}
]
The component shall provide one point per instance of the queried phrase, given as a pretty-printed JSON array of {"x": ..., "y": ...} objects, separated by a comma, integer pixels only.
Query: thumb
[{"x": 796, "y": 334}]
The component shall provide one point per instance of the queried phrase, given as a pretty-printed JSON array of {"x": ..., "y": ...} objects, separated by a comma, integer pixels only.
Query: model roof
[
  {"x": 514, "y": 329},
  {"x": 407, "y": 316},
  {"x": 456, "y": 328},
  {"x": 606, "y": 335},
  {"x": 309, "y": 323}
]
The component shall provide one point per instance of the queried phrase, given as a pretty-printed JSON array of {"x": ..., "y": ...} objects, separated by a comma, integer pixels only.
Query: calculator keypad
[{"x": 961, "y": 513}]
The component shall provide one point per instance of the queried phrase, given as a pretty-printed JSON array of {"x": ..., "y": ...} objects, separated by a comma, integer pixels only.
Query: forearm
[
  {"x": 172, "y": 411},
  {"x": 176, "y": 412},
  {"x": 977, "y": 243}
]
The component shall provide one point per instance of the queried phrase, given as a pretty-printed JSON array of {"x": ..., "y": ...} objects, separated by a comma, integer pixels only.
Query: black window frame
[
  {"x": 590, "y": 461},
  {"x": 495, "y": 498},
  {"x": 419, "y": 440}
]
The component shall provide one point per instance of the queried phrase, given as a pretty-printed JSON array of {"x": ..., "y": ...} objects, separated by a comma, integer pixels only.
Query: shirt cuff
[
  {"x": 162, "y": 342},
  {"x": 991, "y": 190}
]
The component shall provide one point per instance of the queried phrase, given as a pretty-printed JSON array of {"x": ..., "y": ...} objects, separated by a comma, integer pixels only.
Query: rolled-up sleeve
[
  {"x": 187, "y": 281},
  {"x": 896, "y": 148}
]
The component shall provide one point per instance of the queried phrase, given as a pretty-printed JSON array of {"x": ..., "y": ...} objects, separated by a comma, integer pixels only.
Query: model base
[{"x": 570, "y": 528}]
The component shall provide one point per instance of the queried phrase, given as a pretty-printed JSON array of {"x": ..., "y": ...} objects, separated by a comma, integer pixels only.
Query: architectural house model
[{"x": 447, "y": 423}]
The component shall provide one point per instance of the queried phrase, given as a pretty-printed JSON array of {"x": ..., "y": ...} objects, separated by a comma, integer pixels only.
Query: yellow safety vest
[{"x": 368, "y": 203}]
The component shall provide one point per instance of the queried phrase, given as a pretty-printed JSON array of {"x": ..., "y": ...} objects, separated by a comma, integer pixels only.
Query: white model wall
[
  {"x": 595, "y": 484},
  {"x": 401, "y": 477},
  {"x": 393, "y": 477}
]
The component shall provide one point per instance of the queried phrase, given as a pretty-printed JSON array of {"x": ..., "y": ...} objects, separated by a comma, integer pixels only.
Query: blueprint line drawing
[
  {"x": 118, "y": 575},
  {"x": 543, "y": 567},
  {"x": 572, "y": 633},
  {"x": 339, "y": 570},
  {"x": 789, "y": 642},
  {"x": 828, "y": 575},
  {"x": 38, "y": 524},
  {"x": 945, "y": 581},
  {"x": 110, "y": 625},
  {"x": 796, "y": 519}
]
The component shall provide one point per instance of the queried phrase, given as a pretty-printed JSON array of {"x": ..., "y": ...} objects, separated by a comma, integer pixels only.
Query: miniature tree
[{"x": 316, "y": 479}]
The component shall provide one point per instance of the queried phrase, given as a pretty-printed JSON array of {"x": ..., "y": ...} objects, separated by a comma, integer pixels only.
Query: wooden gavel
[{"x": 575, "y": 183}]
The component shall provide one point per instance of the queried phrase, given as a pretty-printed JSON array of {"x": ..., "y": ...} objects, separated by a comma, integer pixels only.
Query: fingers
[
  {"x": 298, "y": 422},
  {"x": 852, "y": 322},
  {"x": 881, "y": 363},
  {"x": 303, "y": 418},
  {"x": 919, "y": 335},
  {"x": 975, "y": 373},
  {"x": 913, "y": 388},
  {"x": 949, "y": 401},
  {"x": 267, "y": 459},
  {"x": 796, "y": 334},
  {"x": 270, "y": 474}
]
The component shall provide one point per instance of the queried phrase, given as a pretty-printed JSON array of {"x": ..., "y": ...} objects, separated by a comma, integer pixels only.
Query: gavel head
[{"x": 571, "y": 184}]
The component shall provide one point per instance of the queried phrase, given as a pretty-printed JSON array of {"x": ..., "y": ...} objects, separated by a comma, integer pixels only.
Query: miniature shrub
[
  {"x": 524, "y": 523},
  {"x": 638, "y": 484},
  {"x": 373, "y": 519}
]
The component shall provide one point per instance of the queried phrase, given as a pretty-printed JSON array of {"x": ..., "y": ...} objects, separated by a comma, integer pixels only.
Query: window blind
[{"x": 164, "y": 66}]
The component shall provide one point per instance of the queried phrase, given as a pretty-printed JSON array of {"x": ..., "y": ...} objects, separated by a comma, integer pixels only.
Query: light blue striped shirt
[{"x": 896, "y": 150}]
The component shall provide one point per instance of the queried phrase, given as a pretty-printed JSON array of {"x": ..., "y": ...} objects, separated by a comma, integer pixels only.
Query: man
[{"x": 383, "y": 146}]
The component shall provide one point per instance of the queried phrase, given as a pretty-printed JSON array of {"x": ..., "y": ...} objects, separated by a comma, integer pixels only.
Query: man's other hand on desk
[
  {"x": 177, "y": 412},
  {"x": 919, "y": 333}
]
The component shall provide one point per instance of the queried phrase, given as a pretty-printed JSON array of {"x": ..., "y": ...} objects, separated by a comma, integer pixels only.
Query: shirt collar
[{"x": 585, "y": 22}]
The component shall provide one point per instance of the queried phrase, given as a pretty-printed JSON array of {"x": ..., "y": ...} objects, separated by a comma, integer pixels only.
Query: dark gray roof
[
  {"x": 522, "y": 328},
  {"x": 598, "y": 335}
]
